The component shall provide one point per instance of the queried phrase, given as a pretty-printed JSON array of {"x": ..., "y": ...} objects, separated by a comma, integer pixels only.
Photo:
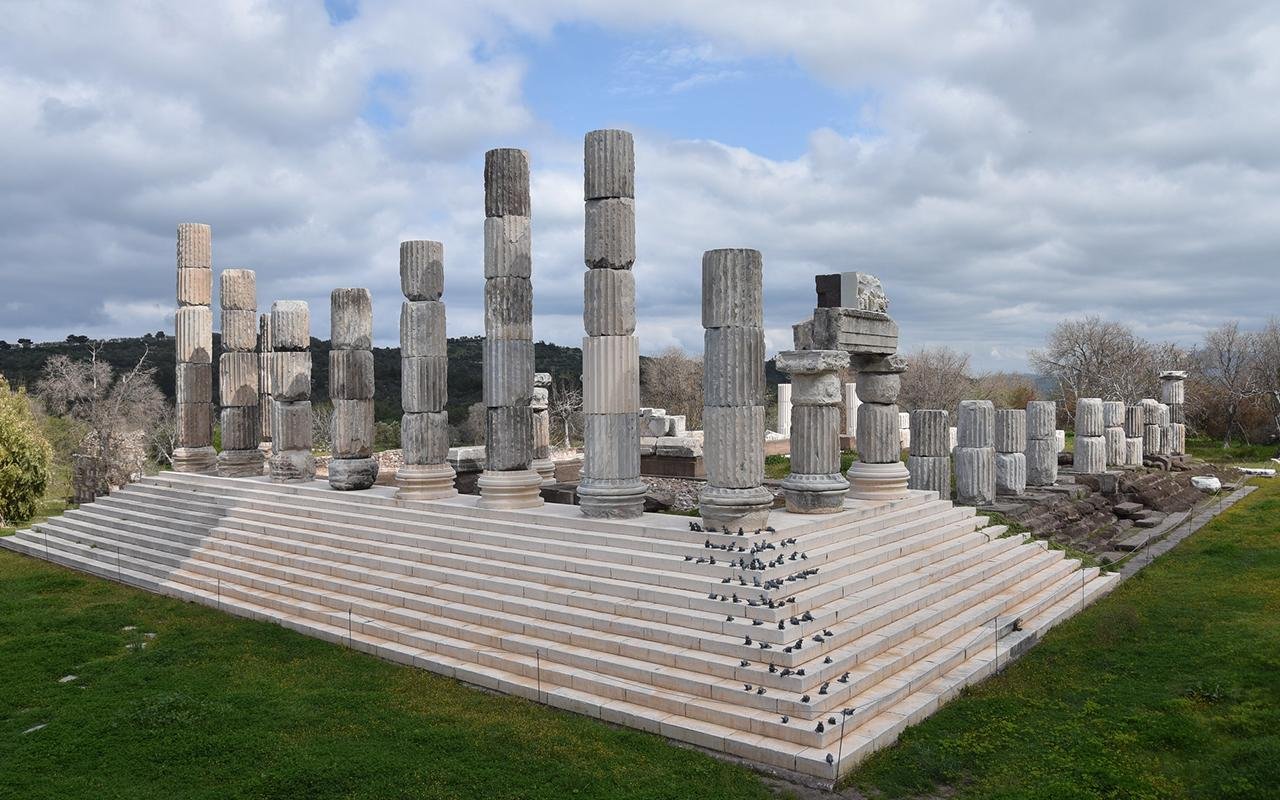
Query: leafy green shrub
[{"x": 25, "y": 457}]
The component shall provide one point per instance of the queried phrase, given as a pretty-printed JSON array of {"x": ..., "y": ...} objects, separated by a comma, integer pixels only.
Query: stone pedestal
[
  {"x": 815, "y": 485},
  {"x": 929, "y": 464},
  {"x": 291, "y": 458},
  {"x": 193, "y": 345},
  {"x": 1042, "y": 444},
  {"x": 784, "y": 410},
  {"x": 975, "y": 457},
  {"x": 351, "y": 389},
  {"x": 879, "y": 473}
]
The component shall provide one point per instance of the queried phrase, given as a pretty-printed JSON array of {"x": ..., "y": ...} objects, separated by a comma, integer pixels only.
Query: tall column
[
  {"x": 929, "y": 464},
  {"x": 1173, "y": 394},
  {"x": 1113, "y": 432},
  {"x": 610, "y": 485},
  {"x": 733, "y": 390},
  {"x": 815, "y": 485},
  {"x": 351, "y": 389},
  {"x": 879, "y": 473},
  {"x": 264, "y": 383},
  {"x": 1042, "y": 443},
  {"x": 291, "y": 458},
  {"x": 1011, "y": 456},
  {"x": 975, "y": 455},
  {"x": 238, "y": 369},
  {"x": 784, "y": 412},
  {"x": 1134, "y": 420},
  {"x": 424, "y": 375},
  {"x": 507, "y": 481},
  {"x": 194, "y": 347},
  {"x": 1091, "y": 447},
  {"x": 541, "y": 405}
]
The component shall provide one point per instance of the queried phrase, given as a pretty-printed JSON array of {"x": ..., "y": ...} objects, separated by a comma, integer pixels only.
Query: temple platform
[{"x": 873, "y": 618}]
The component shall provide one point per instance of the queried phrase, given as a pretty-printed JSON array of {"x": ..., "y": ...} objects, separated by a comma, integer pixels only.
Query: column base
[
  {"x": 425, "y": 482},
  {"x": 735, "y": 508},
  {"x": 240, "y": 463},
  {"x": 814, "y": 494},
  {"x": 352, "y": 474},
  {"x": 878, "y": 481},
  {"x": 292, "y": 466},
  {"x": 517, "y": 488},
  {"x": 546, "y": 468},
  {"x": 612, "y": 498},
  {"x": 202, "y": 460}
]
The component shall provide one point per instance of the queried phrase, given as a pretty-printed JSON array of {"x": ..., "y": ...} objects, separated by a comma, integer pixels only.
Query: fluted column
[
  {"x": 1152, "y": 432},
  {"x": 784, "y": 411},
  {"x": 733, "y": 391},
  {"x": 1134, "y": 422},
  {"x": 1113, "y": 432},
  {"x": 541, "y": 405},
  {"x": 1173, "y": 394},
  {"x": 193, "y": 451},
  {"x": 291, "y": 458},
  {"x": 975, "y": 453},
  {"x": 424, "y": 375},
  {"x": 929, "y": 462},
  {"x": 351, "y": 389},
  {"x": 1091, "y": 446},
  {"x": 507, "y": 481},
  {"x": 238, "y": 375},
  {"x": 879, "y": 473},
  {"x": 610, "y": 485},
  {"x": 264, "y": 384},
  {"x": 1011, "y": 456},
  {"x": 1042, "y": 444},
  {"x": 815, "y": 485}
]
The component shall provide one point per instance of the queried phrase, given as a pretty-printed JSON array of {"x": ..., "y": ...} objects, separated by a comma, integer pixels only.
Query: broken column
[
  {"x": 238, "y": 375},
  {"x": 291, "y": 458},
  {"x": 1042, "y": 443},
  {"x": 733, "y": 390},
  {"x": 1113, "y": 432},
  {"x": 351, "y": 389},
  {"x": 1151, "y": 430},
  {"x": 879, "y": 473},
  {"x": 1166, "y": 430},
  {"x": 507, "y": 481},
  {"x": 929, "y": 463},
  {"x": 851, "y": 403},
  {"x": 610, "y": 484},
  {"x": 815, "y": 485},
  {"x": 541, "y": 405},
  {"x": 264, "y": 384},
  {"x": 193, "y": 451},
  {"x": 784, "y": 410},
  {"x": 424, "y": 375},
  {"x": 1091, "y": 447},
  {"x": 1011, "y": 456},
  {"x": 1134, "y": 421},
  {"x": 975, "y": 453},
  {"x": 1173, "y": 394}
]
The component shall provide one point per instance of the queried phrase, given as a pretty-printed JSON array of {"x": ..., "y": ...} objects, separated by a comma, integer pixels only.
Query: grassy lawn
[
  {"x": 779, "y": 467},
  {"x": 1248, "y": 455},
  {"x": 1169, "y": 688}
]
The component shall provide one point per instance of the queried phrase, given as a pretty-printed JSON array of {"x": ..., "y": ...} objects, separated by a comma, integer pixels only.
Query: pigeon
[
  {"x": 744, "y": 663},
  {"x": 746, "y": 687},
  {"x": 781, "y": 625},
  {"x": 819, "y": 639},
  {"x": 756, "y": 622},
  {"x": 773, "y": 669},
  {"x": 795, "y": 621},
  {"x": 729, "y": 618},
  {"x": 707, "y": 544},
  {"x": 786, "y": 649},
  {"x": 726, "y": 580},
  {"x": 807, "y": 617},
  {"x": 785, "y": 719},
  {"x": 826, "y": 632},
  {"x": 786, "y": 671},
  {"x": 711, "y": 596},
  {"x": 820, "y": 727},
  {"x": 831, "y": 720},
  {"x": 688, "y": 558},
  {"x": 848, "y": 712},
  {"x": 823, "y": 690},
  {"x": 800, "y": 672},
  {"x": 741, "y": 532},
  {"x": 799, "y": 645},
  {"x": 844, "y": 678},
  {"x": 804, "y": 699},
  {"x": 712, "y": 560},
  {"x": 766, "y": 646},
  {"x": 826, "y": 660},
  {"x": 747, "y": 641},
  {"x": 760, "y": 690},
  {"x": 770, "y": 529},
  {"x": 831, "y": 759},
  {"x": 693, "y": 526}
]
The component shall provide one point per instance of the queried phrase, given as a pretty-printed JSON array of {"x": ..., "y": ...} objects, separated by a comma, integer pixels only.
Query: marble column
[
  {"x": 851, "y": 403},
  {"x": 879, "y": 473},
  {"x": 353, "y": 466},
  {"x": 238, "y": 375},
  {"x": 1173, "y": 394},
  {"x": 815, "y": 485},
  {"x": 264, "y": 384},
  {"x": 541, "y": 405},
  {"x": 929, "y": 463},
  {"x": 424, "y": 375},
  {"x": 291, "y": 458},
  {"x": 1166, "y": 430},
  {"x": 1113, "y": 433},
  {"x": 1151, "y": 429},
  {"x": 975, "y": 454},
  {"x": 1091, "y": 446},
  {"x": 507, "y": 481},
  {"x": 1042, "y": 443},
  {"x": 1011, "y": 455},
  {"x": 1134, "y": 421},
  {"x": 733, "y": 391},
  {"x": 193, "y": 451},
  {"x": 784, "y": 410},
  {"x": 610, "y": 485}
]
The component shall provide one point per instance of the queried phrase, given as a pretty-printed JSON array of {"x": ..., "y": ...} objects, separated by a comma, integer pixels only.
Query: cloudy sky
[{"x": 999, "y": 165}]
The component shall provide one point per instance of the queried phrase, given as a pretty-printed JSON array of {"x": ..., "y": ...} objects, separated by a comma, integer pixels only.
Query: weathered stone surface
[
  {"x": 508, "y": 247},
  {"x": 195, "y": 286},
  {"x": 1178, "y": 438},
  {"x": 422, "y": 329},
  {"x": 240, "y": 463},
  {"x": 1011, "y": 430},
  {"x": 424, "y": 383},
  {"x": 1112, "y": 414},
  {"x": 240, "y": 427},
  {"x": 291, "y": 376},
  {"x": 815, "y": 440},
  {"x": 193, "y": 383},
  {"x": 815, "y": 494},
  {"x": 1150, "y": 411},
  {"x": 1011, "y": 473},
  {"x": 1042, "y": 462},
  {"x": 878, "y": 387},
  {"x": 1177, "y": 413},
  {"x": 861, "y": 332},
  {"x": 802, "y": 335},
  {"x": 352, "y": 474},
  {"x": 1042, "y": 419},
  {"x": 542, "y": 436},
  {"x": 1133, "y": 451},
  {"x": 1164, "y": 414},
  {"x": 855, "y": 290},
  {"x": 816, "y": 389},
  {"x": 238, "y": 290},
  {"x": 678, "y": 446},
  {"x": 422, "y": 268},
  {"x": 811, "y": 362},
  {"x": 509, "y": 437},
  {"x": 194, "y": 424},
  {"x": 351, "y": 375},
  {"x": 508, "y": 308},
  {"x": 290, "y": 325},
  {"x": 930, "y": 473},
  {"x": 611, "y": 446},
  {"x": 1134, "y": 419},
  {"x": 541, "y": 397},
  {"x": 351, "y": 428},
  {"x": 193, "y": 340},
  {"x": 878, "y": 481},
  {"x": 1172, "y": 391},
  {"x": 195, "y": 459},
  {"x": 878, "y": 438},
  {"x": 506, "y": 183},
  {"x": 610, "y": 240},
  {"x": 510, "y": 489},
  {"x": 610, "y": 375},
  {"x": 609, "y": 164},
  {"x": 240, "y": 330},
  {"x": 732, "y": 289},
  {"x": 1115, "y": 446},
  {"x": 351, "y": 319},
  {"x": 195, "y": 245},
  {"x": 733, "y": 446},
  {"x": 1151, "y": 435},
  {"x": 238, "y": 379},
  {"x": 784, "y": 409},
  {"x": 1089, "y": 416},
  {"x": 733, "y": 367},
  {"x": 976, "y": 423},
  {"x": 851, "y": 405},
  {"x": 291, "y": 425},
  {"x": 425, "y": 482},
  {"x": 732, "y": 508},
  {"x": 975, "y": 475},
  {"x": 292, "y": 466},
  {"x": 425, "y": 437},
  {"x": 1091, "y": 455},
  {"x": 508, "y": 373},
  {"x": 931, "y": 434}
]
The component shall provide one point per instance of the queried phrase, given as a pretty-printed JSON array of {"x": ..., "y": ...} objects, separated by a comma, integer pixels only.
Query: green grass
[
  {"x": 1211, "y": 450},
  {"x": 219, "y": 707},
  {"x": 1169, "y": 688},
  {"x": 779, "y": 467}
]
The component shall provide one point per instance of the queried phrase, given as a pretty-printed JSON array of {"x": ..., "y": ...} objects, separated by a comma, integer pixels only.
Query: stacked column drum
[
  {"x": 975, "y": 454},
  {"x": 351, "y": 389},
  {"x": 193, "y": 342},
  {"x": 291, "y": 458},
  {"x": 1011, "y": 456},
  {"x": 1091, "y": 446},
  {"x": 879, "y": 473},
  {"x": 815, "y": 485},
  {"x": 929, "y": 463},
  {"x": 239, "y": 369}
]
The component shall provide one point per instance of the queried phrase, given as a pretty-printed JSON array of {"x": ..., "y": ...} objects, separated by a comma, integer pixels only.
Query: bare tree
[
  {"x": 1005, "y": 389},
  {"x": 472, "y": 428},
  {"x": 937, "y": 377},
  {"x": 1093, "y": 357},
  {"x": 1229, "y": 365},
  {"x": 1267, "y": 367},
  {"x": 321, "y": 426},
  {"x": 673, "y": 380},
  {"x": 564, "y": 405}
]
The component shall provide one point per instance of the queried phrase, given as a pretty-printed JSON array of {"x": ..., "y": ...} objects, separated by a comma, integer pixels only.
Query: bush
[{"x": 25, "y": 457}]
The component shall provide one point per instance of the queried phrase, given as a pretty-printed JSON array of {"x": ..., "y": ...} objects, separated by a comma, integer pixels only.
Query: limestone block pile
[
  {"x": 815, "y": 485},
  {"x": 1113, "y": 431},
  {"x": 541, "y": 405},
  {"x": 193, "y": 342},
  {"x": 1091, "y": 446},
  {"x": 239, "y": 373},
  {"x": 1042, "y": 443},
  {"x": 1134, "y": 422},
  {"x": 656, "y": 422},
  {"x": 929, "y": 463},
  {"x": 975, "y": 455},
  {"x": 291, "y": 458},
  {"x": 879, "y": 473},
  {"x": 1011, "y": 456},
  {"x": 351, "y": 389},
  {"x": 1173, "y": 394}
]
